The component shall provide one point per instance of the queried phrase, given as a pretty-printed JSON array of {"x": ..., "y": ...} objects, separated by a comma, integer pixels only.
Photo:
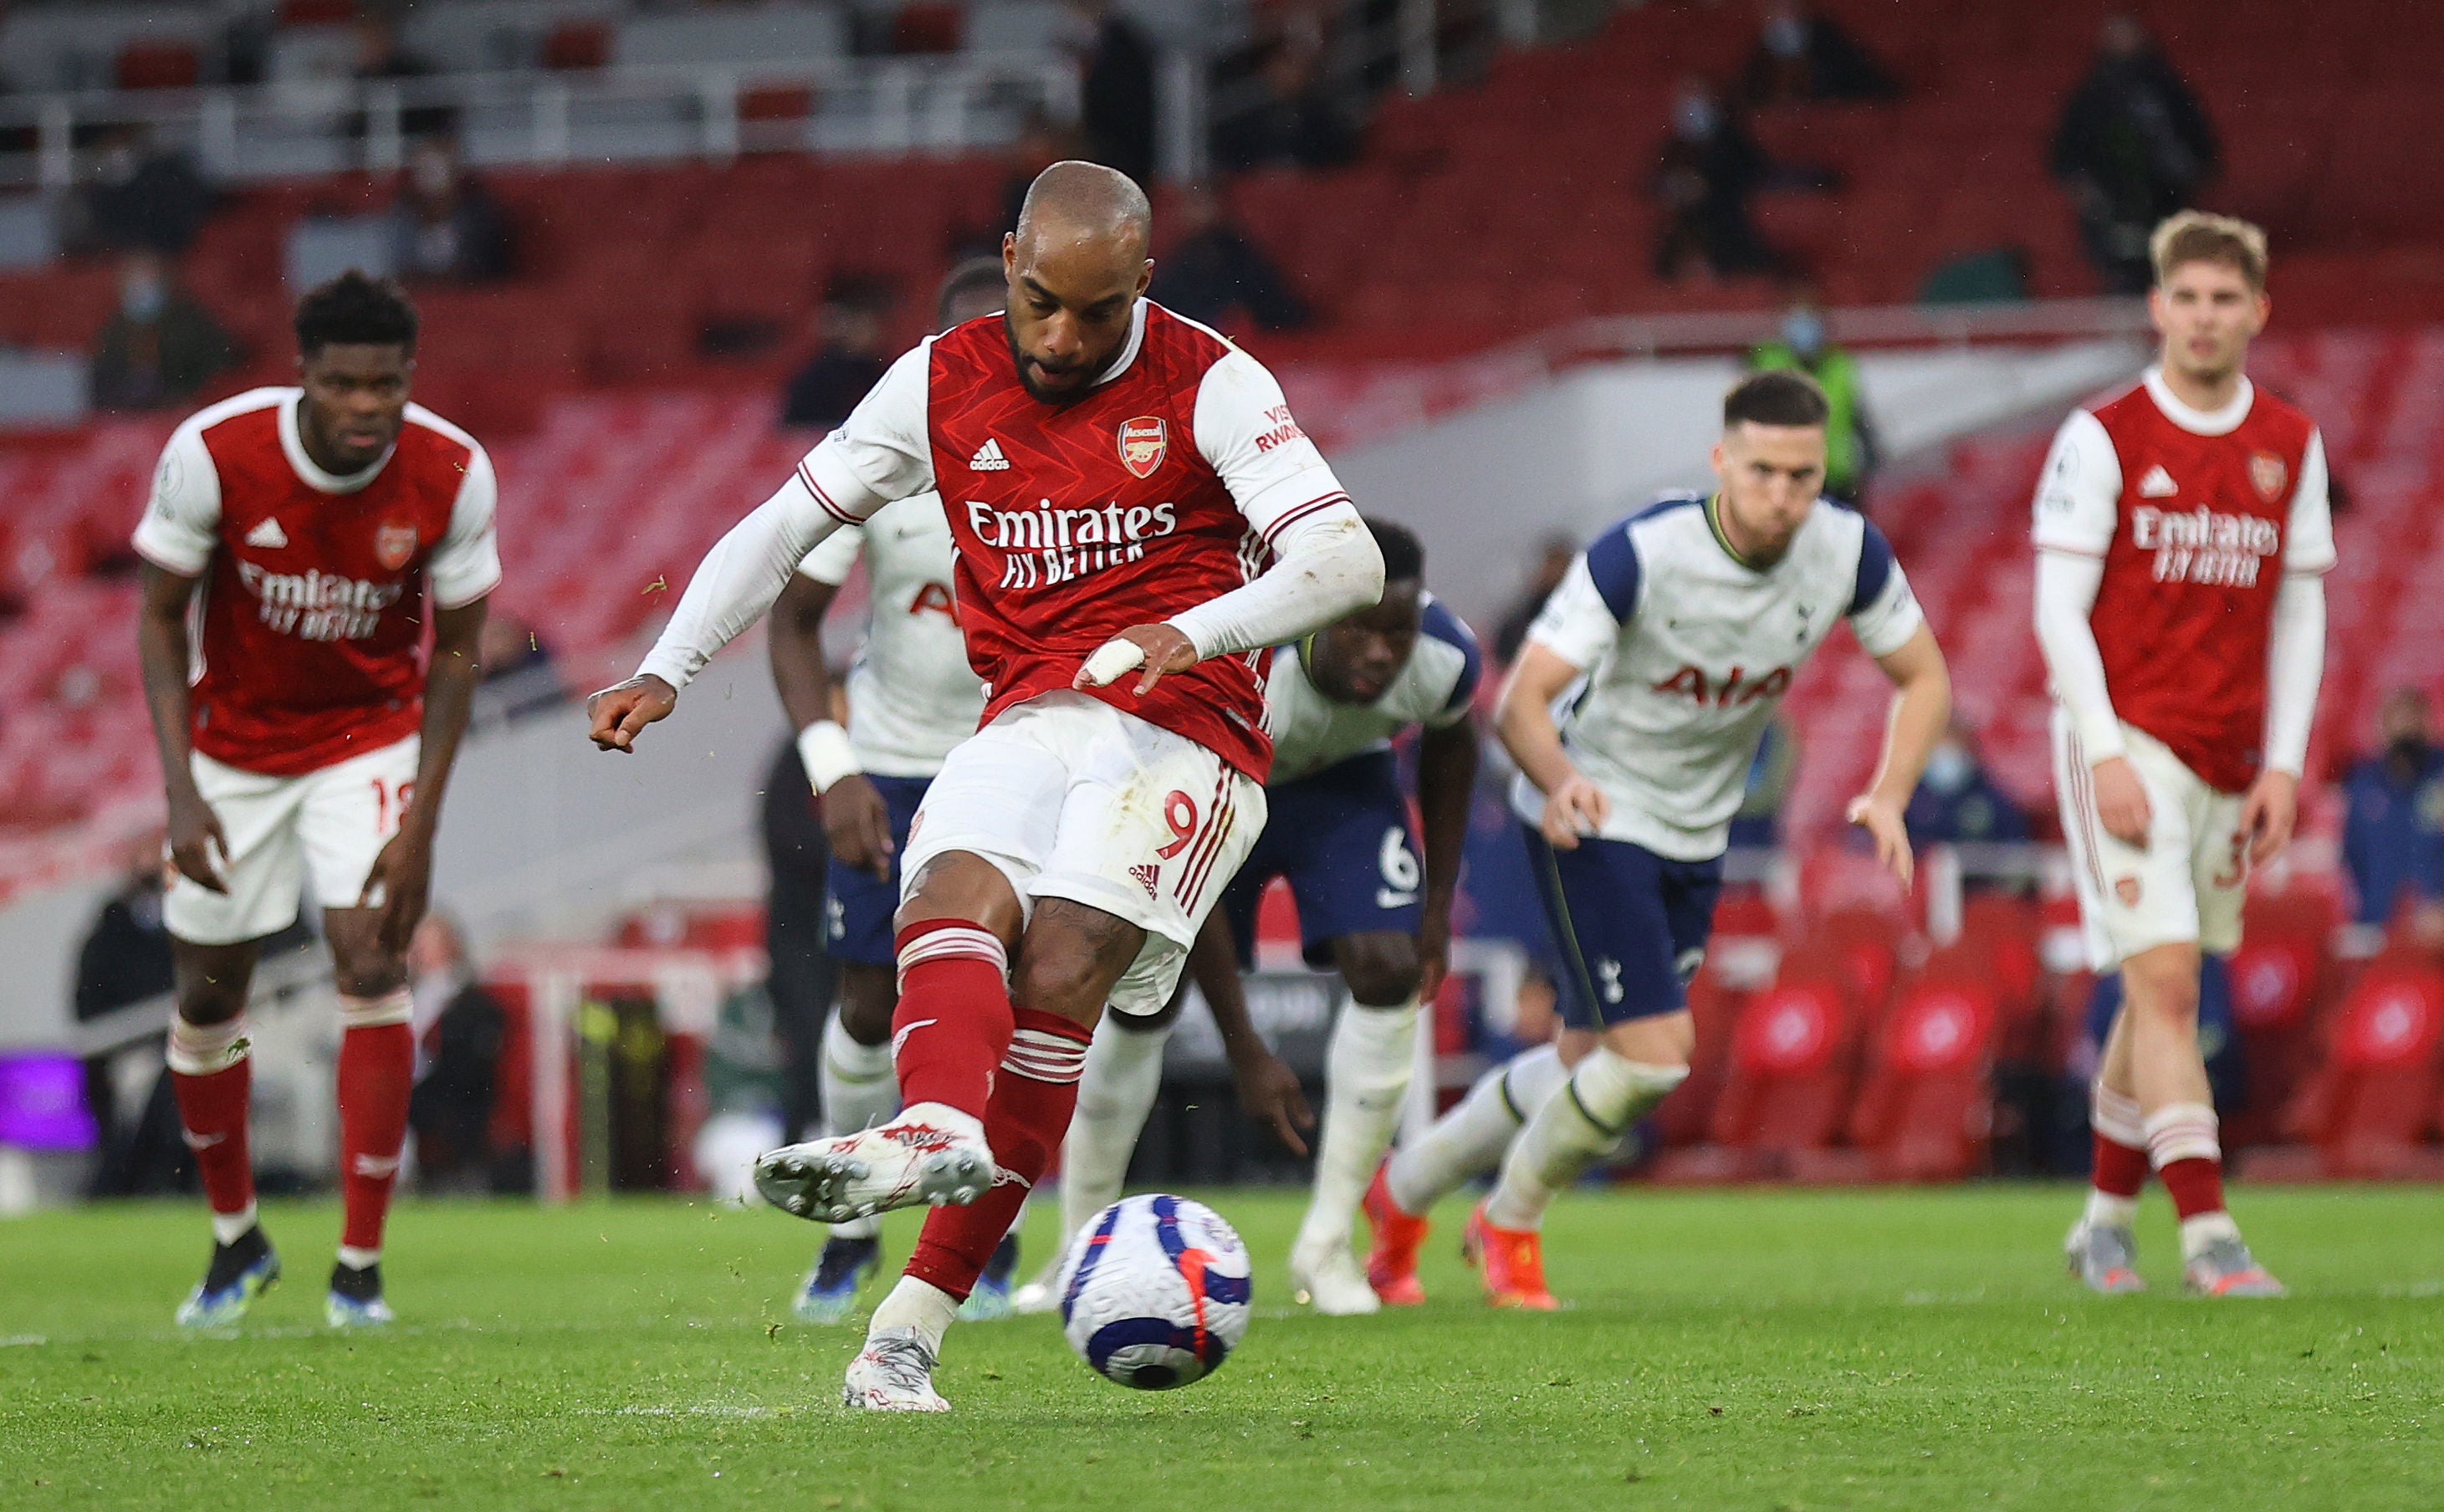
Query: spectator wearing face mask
[
  {"x": 2392, "y": 828},
  {"x": 445, "y": 225},
  {"x": 159, "y": 347},
  {"x": 1958, "y": 803},
  {"x": 1805, "y": 344},
  {"x": 2132, "y": 145},
  {"x": 1707, "y": 170},
  {"x": 1801, "y": 55}
]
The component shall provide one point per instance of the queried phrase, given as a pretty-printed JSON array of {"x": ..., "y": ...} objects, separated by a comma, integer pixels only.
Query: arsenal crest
[
  {"x": 1142, "y": 445},
  {"x": 394, "y": 545},
  {"x": 2268, "y": 471}
]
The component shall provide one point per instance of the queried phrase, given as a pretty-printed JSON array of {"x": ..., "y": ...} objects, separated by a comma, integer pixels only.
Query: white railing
[{"x": 852, "y": 106}]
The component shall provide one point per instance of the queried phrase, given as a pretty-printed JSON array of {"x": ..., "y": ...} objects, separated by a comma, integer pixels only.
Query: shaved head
[
  {"x": 1077, "y": 267},
  {"x": 1075, "y": 201}
]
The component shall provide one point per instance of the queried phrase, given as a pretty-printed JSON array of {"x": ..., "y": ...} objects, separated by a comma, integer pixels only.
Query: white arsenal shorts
[
  {"x": 1071, "y": 797},
  {"x": 324, "y": 827},
  {"x": 2186, "y": 887}
]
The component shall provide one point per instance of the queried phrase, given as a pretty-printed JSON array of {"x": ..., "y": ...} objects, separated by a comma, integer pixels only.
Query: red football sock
[
  {"x": 377, "y": 1073},
  {"x": 1026, "y": 1121},
  {"x": 212, "y": 1078},
  {"x": 2195, "y": 1186},
  {"x": 2120, "y": 1169},
  {"x": 953, "y": 1022}
]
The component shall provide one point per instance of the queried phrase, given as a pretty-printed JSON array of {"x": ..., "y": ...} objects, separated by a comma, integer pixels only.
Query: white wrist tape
[
  {"x": 1111, "y": 659},
  {"x": 825, "y": 751}
]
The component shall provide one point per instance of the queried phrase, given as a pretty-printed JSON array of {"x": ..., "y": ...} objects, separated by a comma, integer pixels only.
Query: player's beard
[{"x": 1026, "y": 366}]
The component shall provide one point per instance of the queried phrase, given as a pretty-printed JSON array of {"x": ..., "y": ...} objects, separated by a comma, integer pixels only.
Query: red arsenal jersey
[
  {"x": 311, "y": 647},
  {"x": 1162, "y": 489},
  {"x": 2197, "y": 517}
]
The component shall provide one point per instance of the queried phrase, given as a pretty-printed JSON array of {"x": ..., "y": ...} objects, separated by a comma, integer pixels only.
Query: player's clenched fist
[
  {"x": 621, "y": 711},
  {"x": 2122, "y": 803}
]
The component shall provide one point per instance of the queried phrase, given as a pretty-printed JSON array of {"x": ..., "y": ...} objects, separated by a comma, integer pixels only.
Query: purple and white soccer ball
[{"x": 1154, "y": 1292}]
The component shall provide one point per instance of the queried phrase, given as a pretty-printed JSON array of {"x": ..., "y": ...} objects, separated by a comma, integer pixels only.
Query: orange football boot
[
  {"x": 1513, "y": 1262},
  {"x": 1391, "y": 1264}
]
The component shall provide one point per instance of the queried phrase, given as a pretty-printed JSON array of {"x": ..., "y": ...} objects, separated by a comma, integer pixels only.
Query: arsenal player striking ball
[{"x": 1154, "y": 1292}]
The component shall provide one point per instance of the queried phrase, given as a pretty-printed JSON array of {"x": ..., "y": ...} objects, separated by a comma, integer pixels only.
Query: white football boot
[
  {"x": 892, "y": 1374},
  {"x": 929, "y": 1155},
  {"x": 1328, "y": 1277}
]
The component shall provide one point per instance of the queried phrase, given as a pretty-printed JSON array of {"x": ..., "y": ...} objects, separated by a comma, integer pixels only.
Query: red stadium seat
[
  {"x": 2367, "y": 1110},
  {"x": 1787, "y": 1084}
]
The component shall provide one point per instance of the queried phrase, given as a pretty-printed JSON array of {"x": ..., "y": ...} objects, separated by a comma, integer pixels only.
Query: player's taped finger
[{"x": 1112, "y": 658}]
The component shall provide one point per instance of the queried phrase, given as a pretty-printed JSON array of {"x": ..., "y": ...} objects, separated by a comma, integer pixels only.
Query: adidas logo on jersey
[
  {"x": 1147, "y": 876},
  {"x": 989, "y": 458},
  {"x": 267, "y": 535},
  {"x": 2158, "y": 484}
]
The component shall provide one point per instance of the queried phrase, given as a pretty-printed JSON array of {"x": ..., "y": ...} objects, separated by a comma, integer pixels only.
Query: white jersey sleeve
[
  {"x": 1883, "y": 613},
  {"x": 880, "y": 453},
  {"x": 2308, "y": 543},
  {"x": 1326, "y": 565},
  {"x": 1583, "y": 619},
  {"x": 2078, "y": 498},
  {"x": 182, "y": 523},
  {"x": 832, "y": 562},
  {"x": 466, "y": 564}
]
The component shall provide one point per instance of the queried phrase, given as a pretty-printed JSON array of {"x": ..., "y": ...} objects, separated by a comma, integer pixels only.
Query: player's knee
[
  {"x": 1381, "y": 970},
  {"x": 2163, "y": 985},
  {"x": 868, "y": 996},
  {"x": 205, "y": 1003}
]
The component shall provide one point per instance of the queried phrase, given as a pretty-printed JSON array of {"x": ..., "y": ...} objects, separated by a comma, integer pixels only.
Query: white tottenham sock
[
  {"x": 920, "y": 1306},
  {"x": 1366, "y": 1074},
  {"x": 1468, "y": 1140},
  {"x": 1115, "y": 1092},
  {"x": 859, "y": 1089},
  {"x": 1605, "y": 1096}
]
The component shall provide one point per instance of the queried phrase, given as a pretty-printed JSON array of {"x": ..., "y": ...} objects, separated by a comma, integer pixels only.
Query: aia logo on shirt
[
  {"x": 1143, "y": 441},
  {"x": 1729, "y": 691}
]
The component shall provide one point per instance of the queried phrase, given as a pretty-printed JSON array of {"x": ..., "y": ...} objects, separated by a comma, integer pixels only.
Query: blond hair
[{"x": 2197, "y": 237}]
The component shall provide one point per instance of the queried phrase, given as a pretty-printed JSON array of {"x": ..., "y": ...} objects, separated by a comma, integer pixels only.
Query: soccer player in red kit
[
  {"x": 305, "y": 737},
  {"x": 1138, "y": 519},
  {"x": 2182, "y": 536}
]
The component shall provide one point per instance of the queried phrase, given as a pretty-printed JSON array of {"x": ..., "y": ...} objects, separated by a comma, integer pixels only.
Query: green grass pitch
[{"x": 1758, "y": 1349}]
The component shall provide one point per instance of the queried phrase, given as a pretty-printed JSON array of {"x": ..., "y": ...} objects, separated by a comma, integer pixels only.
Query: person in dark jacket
[
  {"x": 1958, "y": 802},
  {"x": 1803, "y": 55},
  {"x": 1116, "y": 104},
  {"x": 463, "y": 1029},
  {"x": 2133, "y": 146},
  {"x": 1215, "y": 273},
  {"x": 2392, "y": 825}
]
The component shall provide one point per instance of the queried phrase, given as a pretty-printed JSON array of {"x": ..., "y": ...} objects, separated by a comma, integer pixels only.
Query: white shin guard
[
  {"x": 859, "y": 1089},
  {"x": 1468, "y": 1141},
  {"x": 1366, "y": 1079},
  {"x": 1573, "y": 1130},
  {"x": 1115, "y": 1092}
]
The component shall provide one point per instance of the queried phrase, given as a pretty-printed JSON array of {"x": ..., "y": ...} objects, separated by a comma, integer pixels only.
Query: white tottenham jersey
[
  {"x": 1311, "y": 731},
  {"x": 1688, "y": 650},
  {"x": 911, "y": 696}
]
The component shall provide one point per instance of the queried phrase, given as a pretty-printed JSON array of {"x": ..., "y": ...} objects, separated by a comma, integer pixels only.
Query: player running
[
  {"x": 315, "y": 741},
  {"x": 1633, "y": 713},
  {"x": 912, "y": 696},
  {"x": 1129, "y": 494},
  {"x": 2182, "y": 536},
  {"x": 1338, "y": 830}
]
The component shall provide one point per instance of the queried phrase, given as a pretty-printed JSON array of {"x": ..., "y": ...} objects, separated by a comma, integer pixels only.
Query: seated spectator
[
  {"x": 381, "y": 55},
  {"x": 460, "y": 1028},
  {"x": 1850, "y": 448},
  {"x": 1708, "y": 170},
  {"x": 1958, "y": 802},
  {"x": 142, "y": 194},
  {"x": 2393, "y": 824},
  {"x": 850, "y": 361},
  {"x": 159, "y": 347},
  {"x": 445, "y": 224},
  {"x": 1214, "y": 273},
  {"x": 125, "y": 959},
  {"x": 1041, "y": 142},
  {"x": 1802, "y": 55},
  {"x": 1296, "y": 119},
  {"x": 2132, "y": 147}
]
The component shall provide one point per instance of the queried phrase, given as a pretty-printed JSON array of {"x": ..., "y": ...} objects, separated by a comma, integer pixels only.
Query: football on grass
[{"x": 1154, "y": 1292}]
